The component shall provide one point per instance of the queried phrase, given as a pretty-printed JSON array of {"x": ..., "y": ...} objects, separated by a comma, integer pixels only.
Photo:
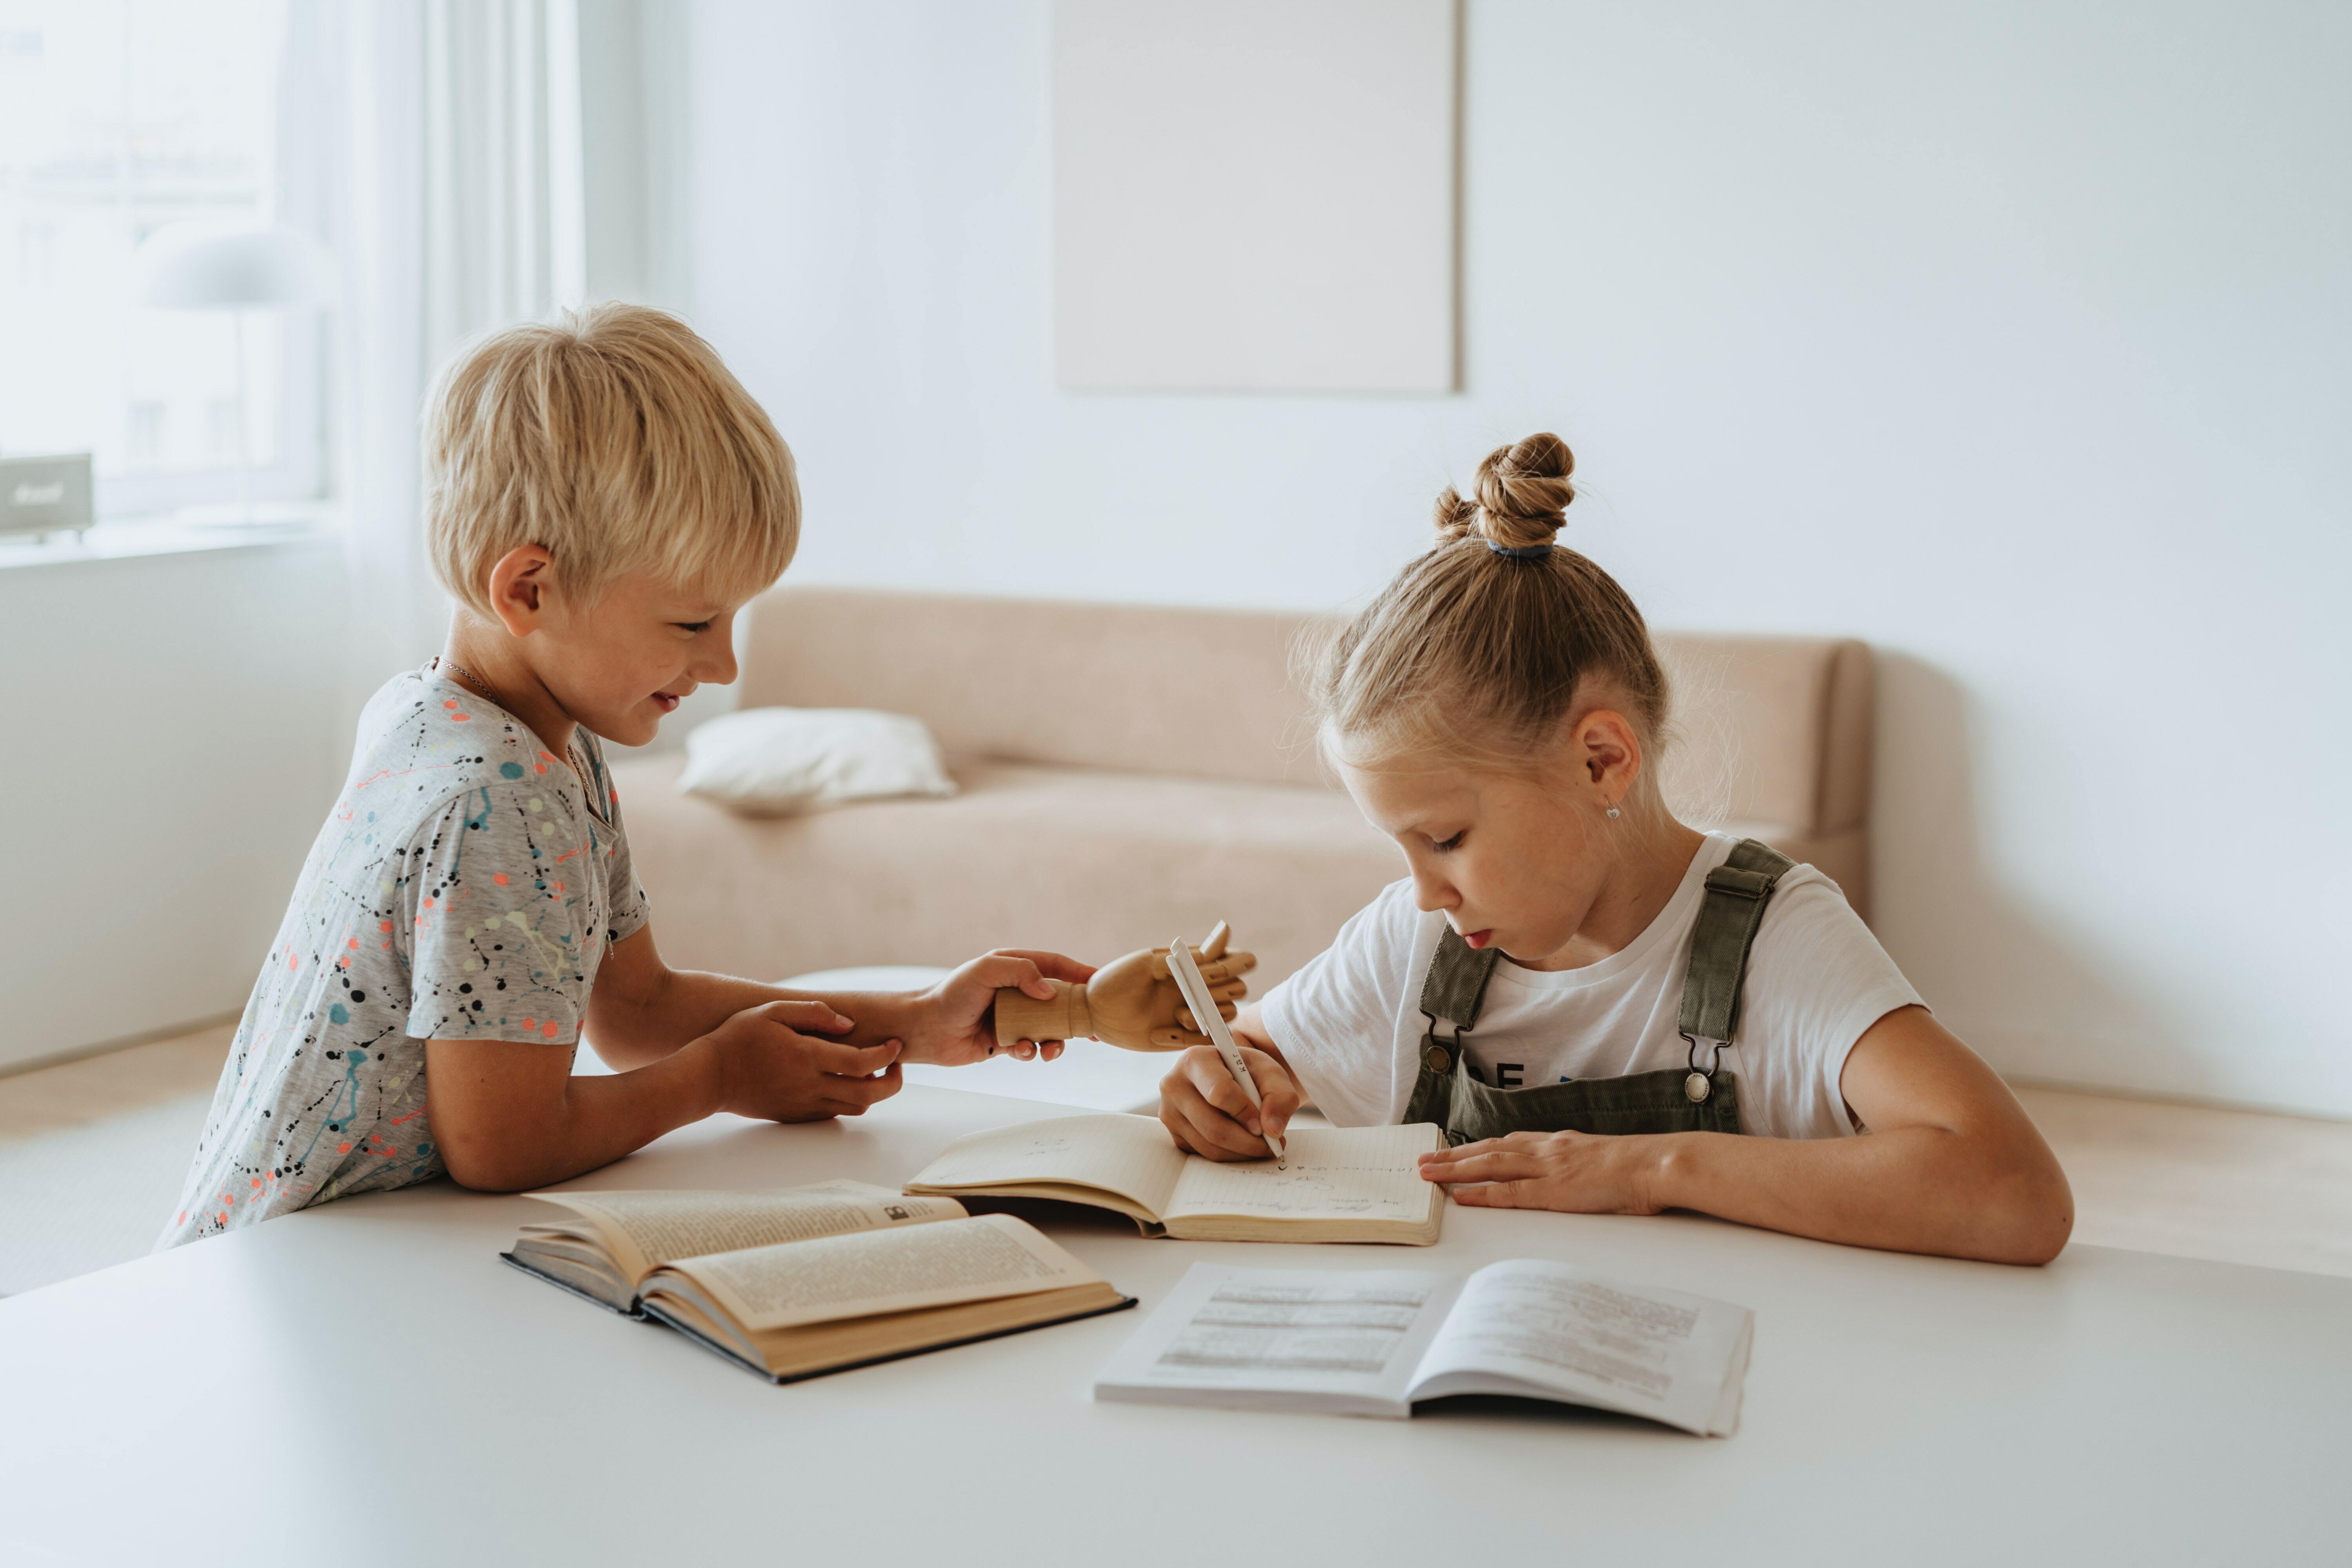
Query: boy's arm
[
  {"x": 507, "y": 1114},
  {"x": 641, "y": 1010},
  {"x": 1950, "y": 1163}
]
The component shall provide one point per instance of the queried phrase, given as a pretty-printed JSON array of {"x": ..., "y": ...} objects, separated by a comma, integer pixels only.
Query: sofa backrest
[{"x": 1769, "y": 730}]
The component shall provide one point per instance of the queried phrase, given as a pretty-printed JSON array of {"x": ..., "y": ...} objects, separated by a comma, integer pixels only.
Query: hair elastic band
[{"x": 1520, "y": 552}]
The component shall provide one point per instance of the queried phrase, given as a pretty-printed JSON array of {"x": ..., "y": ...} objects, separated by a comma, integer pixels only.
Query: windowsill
[{"x": 176, "y": 533}]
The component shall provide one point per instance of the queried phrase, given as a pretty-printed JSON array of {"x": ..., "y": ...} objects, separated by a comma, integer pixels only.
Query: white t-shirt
[{"x": 1350, "y": 1021}]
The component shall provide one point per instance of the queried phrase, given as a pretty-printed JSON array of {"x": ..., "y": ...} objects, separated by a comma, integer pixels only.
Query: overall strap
[
  {"x": 1449, "y": 998},
  {"x": 1456, "y": 984},
  {"x": 1729, "y": 916}
]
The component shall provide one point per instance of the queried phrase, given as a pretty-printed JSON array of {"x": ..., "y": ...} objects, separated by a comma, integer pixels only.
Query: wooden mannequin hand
[
  {"x": 1135, "y": 1001},
  {"x": 1132, "y": 1001}
]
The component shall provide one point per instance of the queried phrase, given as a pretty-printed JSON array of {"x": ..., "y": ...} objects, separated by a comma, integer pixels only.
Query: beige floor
[
  {"x": 49, "y": 1099},
  {"x": 91, "y": 1154},
  {"x": 2233, "y": 1185}
]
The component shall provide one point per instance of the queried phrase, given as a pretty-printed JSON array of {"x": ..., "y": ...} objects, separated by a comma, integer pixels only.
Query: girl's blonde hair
[
  {"x": 1475, "y": 655},
  {"x": 613, "y": 439}
]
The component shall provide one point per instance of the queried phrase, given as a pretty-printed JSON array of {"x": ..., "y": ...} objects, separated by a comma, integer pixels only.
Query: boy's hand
[
  {"x": 1206, "y": 1112},
  {"x": 954, "y": 1023},
  {"x": 769, "y": 1070}
]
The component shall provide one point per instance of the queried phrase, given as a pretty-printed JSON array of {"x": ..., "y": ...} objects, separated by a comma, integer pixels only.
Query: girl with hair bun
[{"x": 1607, "y": 1011}]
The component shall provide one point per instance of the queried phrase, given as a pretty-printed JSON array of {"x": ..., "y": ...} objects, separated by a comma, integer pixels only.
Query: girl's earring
[{"x": 1612, "y": 813}]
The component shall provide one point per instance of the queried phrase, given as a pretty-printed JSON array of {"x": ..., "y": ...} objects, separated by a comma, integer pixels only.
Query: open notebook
[{"x": 1335, "y": 1183}]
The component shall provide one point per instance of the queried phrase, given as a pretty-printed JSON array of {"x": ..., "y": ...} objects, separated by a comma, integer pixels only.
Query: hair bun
[{"x": 1523, "y": 492}]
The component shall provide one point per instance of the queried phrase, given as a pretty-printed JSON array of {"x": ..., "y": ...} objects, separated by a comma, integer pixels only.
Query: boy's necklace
[
  {"x": 472, "y": 682},
  {"x": 483, "y": 688}
]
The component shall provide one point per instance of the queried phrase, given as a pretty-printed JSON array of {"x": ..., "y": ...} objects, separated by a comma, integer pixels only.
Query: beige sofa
[{"x": 1129, "y": 775}]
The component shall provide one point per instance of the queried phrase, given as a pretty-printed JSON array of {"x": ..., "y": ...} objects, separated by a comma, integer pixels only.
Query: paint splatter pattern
[{"x": 466, "y": 886}]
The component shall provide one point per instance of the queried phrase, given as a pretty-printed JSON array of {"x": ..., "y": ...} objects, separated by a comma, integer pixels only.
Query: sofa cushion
[
  {"x": 1770, "y": 730},
  {"x": 773, "y": 761}
]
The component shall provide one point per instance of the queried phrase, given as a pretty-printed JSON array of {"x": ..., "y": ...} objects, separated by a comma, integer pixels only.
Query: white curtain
[
  {"x": 504, "y": 238},
  {"x": 449, "y": 179}
]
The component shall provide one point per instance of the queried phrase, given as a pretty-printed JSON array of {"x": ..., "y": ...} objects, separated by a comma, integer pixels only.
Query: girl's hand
[
  {"x": 1575, "y": 1173},
  {"x": 954, "y": 1023},
  {"x": 1206, "y": 1112}
]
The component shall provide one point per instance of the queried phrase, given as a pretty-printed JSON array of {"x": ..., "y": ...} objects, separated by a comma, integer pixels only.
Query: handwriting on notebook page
[{"x": 1330, "y": 1172}]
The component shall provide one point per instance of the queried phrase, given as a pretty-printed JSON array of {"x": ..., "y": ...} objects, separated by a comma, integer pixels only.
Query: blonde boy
[{"x": 602, "y": 498}]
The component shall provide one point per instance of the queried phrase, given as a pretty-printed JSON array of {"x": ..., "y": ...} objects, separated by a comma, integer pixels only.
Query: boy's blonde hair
[
  {"x": 1475, "y": 655},
  {"x": 614, "y": 439}
]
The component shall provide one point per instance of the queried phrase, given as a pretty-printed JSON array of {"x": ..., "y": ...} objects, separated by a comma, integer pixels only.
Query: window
[{"x": 116, "y": 118}]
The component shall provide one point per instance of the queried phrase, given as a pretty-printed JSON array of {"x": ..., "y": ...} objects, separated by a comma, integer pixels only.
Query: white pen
[{"x": 1212, "y": 1022}]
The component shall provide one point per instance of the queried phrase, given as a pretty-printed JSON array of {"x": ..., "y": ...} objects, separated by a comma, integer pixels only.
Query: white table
[{"x": 365, "y": 1381}]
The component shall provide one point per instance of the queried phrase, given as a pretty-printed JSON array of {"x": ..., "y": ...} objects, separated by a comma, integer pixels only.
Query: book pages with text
[
  {"x": 1327, "y": 1173},
  {"x": 1130, "y": 1155},
  {"x": 1341, "y": 1340},
  {"x": 647, "y": 1228},
  {"x": 1637, "y": 1349},
  {"x": 880, "y": 1271}
]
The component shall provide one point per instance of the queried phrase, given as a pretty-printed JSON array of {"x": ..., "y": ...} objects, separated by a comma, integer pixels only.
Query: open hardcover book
[
  {"x": 1374, "y": 1344},
  {"x": 1335, "y": 1183},
  {"x": 811, "y": 1279}
]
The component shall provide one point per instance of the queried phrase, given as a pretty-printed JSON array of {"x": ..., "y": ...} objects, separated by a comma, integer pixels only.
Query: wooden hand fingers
[{"x": 1227, "y": 970}]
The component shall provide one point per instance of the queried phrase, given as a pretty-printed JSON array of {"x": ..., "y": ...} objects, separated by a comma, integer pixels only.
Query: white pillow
[{"x": 772, "y": 762}]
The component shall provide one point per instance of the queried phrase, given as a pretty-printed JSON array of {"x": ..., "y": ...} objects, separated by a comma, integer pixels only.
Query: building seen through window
[{"x": 117, "y": 116}]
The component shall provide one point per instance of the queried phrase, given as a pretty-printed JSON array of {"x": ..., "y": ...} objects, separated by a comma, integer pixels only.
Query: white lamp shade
[{"x": 212, "y": 266}]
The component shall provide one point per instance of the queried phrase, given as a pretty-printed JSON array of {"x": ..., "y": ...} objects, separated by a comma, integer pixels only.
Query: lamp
[{"x": 237, "y": 269}]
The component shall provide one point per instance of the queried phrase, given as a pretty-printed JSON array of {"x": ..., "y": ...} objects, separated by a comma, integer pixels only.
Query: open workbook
[
  {"x": 810, "y": 1280},
  {"x": 1374, "y": 1343},
  {"x": 1334, "y": 1184}
]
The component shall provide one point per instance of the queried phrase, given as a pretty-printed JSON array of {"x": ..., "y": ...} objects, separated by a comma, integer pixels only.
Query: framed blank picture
[{"x": 1255, "y": 194}]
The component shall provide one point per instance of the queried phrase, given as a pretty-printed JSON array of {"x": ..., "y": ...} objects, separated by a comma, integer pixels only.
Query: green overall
[{"x": 1702, "y": 1100}]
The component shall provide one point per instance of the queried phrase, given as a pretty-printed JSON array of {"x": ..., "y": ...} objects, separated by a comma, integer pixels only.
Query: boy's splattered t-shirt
[{"x": 466, "y": 886}]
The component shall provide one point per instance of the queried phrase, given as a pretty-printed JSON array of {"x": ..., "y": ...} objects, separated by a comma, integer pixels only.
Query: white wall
[
  {"x": 179, "y": 728},
  {"x": 2008, "y": 336}
]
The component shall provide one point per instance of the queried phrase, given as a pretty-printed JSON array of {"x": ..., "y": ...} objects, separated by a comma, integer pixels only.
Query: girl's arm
[{"x": 1948, "y": 1163}]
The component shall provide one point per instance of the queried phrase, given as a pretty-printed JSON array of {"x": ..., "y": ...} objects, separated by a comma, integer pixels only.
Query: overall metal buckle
[
  {"x": 1440, "y": 1055},
  {"x": 1700, "y": 1084}
]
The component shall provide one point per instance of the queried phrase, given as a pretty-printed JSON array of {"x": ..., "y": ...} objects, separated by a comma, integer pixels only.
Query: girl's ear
[
  {"x": 520, "y": 586},
  {"x": 1610, "y": 750}
]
